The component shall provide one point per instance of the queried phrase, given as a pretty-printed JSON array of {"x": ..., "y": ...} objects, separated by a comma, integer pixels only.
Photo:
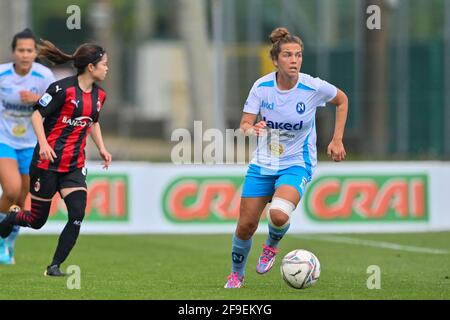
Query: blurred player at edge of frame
[{"x": 22, "y": 83}]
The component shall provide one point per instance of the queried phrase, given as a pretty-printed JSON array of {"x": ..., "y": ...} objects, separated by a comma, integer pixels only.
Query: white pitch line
[{"x": 372, "y": 243}]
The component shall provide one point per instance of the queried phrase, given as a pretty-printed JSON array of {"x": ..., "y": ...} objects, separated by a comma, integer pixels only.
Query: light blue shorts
[
  {"x": 262, "y": 182},
  {"x": 22, "y": 156}
]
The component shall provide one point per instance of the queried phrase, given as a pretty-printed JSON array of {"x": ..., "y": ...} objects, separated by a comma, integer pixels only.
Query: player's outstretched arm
[
  {"x": 247, "y": 126},
  {"x": 336, "y": 147},
  {"x": 45, "y": 151},
  {"x": 96, "y": 134}
]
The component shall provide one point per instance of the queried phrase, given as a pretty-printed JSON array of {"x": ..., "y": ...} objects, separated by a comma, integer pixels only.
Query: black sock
[
  {"x": 66, "y": 242},
  {"x": 36, "y": 218},
  {"x": 76, "y": 204}
]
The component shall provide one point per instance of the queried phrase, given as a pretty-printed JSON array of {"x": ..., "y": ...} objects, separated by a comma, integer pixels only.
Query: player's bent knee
[
  {"x": 11, "y": 194},
  {"x": 249, "y": 228},
  {"x": 280, "y": 211},
  {"x": 278, "y": 218},
  {"x": 37, "y": 217},
  {"x": 246, "y": 230},
  {"x": 76, "y": 205},
  {"x": 37, "y": 223}
]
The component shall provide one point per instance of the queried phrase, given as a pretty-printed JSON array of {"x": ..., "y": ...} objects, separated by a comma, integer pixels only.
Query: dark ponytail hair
[
  {"x": 84, "y": 55},
  {"x": 281, "y": 36},
  {"x": 24, "y": 34}
]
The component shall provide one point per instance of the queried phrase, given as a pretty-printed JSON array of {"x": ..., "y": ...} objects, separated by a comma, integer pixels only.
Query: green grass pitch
[{"x": 196, "y": 266}]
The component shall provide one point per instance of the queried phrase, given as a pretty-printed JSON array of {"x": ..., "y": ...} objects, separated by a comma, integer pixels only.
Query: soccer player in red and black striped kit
[{"x": 62, "y": 119}]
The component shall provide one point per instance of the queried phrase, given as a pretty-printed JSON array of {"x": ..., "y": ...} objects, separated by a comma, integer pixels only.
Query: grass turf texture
[{"x": 196, "y": 267}]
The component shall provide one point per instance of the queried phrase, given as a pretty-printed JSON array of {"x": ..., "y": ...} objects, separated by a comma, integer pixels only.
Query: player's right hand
[
  {"x": 28, "y": 97},
  {"x": 46, "y": 152},
  {"x": 260, "y": 128},
  {"x": 107, "y": 158}
]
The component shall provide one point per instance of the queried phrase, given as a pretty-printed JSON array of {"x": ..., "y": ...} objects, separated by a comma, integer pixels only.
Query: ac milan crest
[{"x": 37, "y": 185}]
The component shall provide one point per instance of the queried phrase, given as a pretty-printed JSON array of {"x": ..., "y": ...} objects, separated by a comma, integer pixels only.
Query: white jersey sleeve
[
  {"x": 49, "y": 79},
  {"x": 253, "y": 102},
  {"x": 326, "y": 92},
  {"x": 16, "y": 129}
]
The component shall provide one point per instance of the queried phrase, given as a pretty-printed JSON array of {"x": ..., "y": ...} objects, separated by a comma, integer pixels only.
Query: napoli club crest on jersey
[
  {"x": 301, "y": 108},
  {"x": 99, "y": 105}
]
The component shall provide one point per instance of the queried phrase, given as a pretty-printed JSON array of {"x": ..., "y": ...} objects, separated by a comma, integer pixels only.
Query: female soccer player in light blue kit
[
  {"x": 286, "y": 156},
  {"x": 22, "y": 83}
]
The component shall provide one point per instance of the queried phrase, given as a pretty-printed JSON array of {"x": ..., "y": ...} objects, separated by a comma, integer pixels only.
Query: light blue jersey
[
  {"x": 16, "y": 130},
  {"x": 290, "y": 118}
]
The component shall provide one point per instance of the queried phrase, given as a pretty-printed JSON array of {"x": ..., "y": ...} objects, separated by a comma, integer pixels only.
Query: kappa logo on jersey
[
  {"x": 301, "y": 107},
  {"x": 283, "y": 125},
  {"x": 6, "y": 90},
  {"x": 45, "y": 99},
  {"x": 58, "y": 88},
  {"x": 75, "y": 103},
  {"x": 78, "y": 122},
  {"x": 267, "y": 105}
]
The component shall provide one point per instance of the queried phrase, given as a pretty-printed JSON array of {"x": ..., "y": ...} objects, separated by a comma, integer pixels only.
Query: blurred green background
[{"x": 176, "y": 61}]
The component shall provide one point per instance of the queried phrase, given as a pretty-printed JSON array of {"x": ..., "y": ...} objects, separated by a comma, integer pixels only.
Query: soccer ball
[{"x": 300, "y": 269}]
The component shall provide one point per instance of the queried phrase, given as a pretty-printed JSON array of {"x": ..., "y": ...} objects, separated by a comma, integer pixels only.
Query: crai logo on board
[
  {"x": 107, "y": 199},
  {"x": 206, "y": 199},
  {"x": 368, "y": 198}
]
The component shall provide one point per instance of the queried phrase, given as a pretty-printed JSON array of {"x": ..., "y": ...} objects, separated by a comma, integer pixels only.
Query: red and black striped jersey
[{"x": 68, "y": 114}]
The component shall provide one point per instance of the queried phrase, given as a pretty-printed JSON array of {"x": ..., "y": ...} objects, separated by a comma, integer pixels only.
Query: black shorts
[{"x": 45, "y": 183}]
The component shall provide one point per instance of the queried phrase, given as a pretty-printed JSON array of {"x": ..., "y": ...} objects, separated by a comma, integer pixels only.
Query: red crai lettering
[
  {"x": 334, "y": 199},
  {"x": 234, "y": 207},
  {"x": 119, "y": 200},
  {"x": 394, "y": 195},
  {"x": 99, "y": 198},
  {"x": 360, "y": 197},
  {"x": 321, "y": 193},
  {"x": 217, "y": 197},
  {"x": 418, "y": 198},
  {"x": 107, "y": 198},
  {"x": 356, "y": 195},
  {"x": 177, "y": 202}
]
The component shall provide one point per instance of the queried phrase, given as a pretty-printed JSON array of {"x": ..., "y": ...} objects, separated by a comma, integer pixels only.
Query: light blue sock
[
  {"x": 4, "y": 256},
  {"x": 11, "y": 240},
  {"x": 275, "y": 234},
  {"x": 239, "y": 253}
]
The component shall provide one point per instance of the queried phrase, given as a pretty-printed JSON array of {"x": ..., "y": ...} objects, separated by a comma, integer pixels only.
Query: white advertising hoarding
[{"x": 342, "y": 197}]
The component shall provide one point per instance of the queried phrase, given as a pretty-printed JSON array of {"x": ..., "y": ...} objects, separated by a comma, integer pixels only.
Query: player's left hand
[
  {"x": 107, "y": 158},
  {"x": 336, "y": 150},
  {"x": 28, "y": 97}
]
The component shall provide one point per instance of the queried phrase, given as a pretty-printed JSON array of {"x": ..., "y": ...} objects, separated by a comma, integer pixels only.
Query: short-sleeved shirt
[
  {"x": 68, "y": 113},
  {"x": 290, "y": 118},
  {"x": 15, "y": 123}
]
